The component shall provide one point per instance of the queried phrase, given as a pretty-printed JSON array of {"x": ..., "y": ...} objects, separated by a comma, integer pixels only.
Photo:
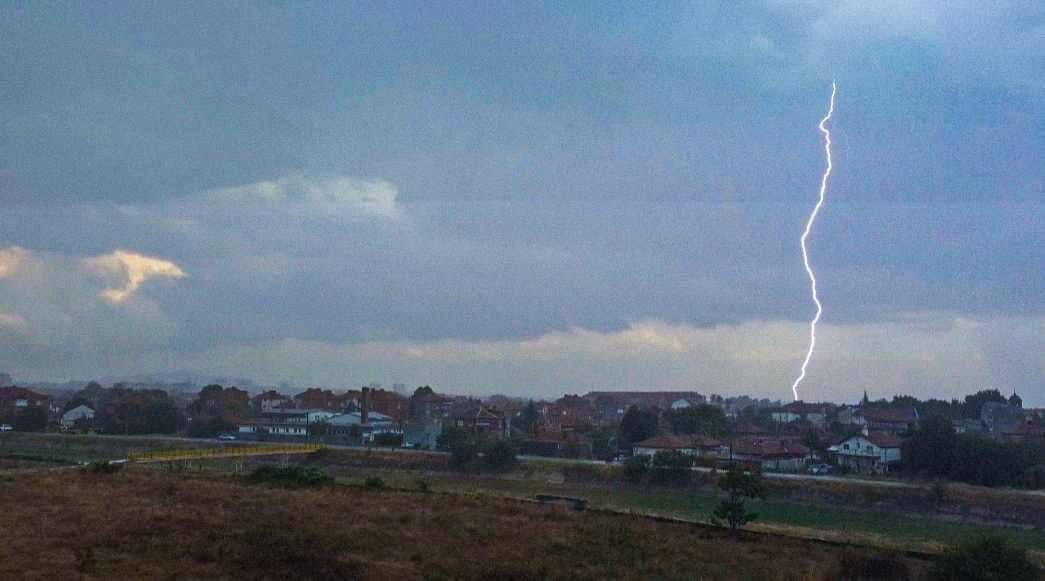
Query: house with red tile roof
[
  {"x": 699, "y": 446},
  {"x": 886, "y": 419},
  {"x": 773, "y": 454},
  {"x": 15, "y": 399}
]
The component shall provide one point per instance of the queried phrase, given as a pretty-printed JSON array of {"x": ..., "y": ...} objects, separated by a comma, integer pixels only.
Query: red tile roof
[
  {"x": 884, "y": 440},
  {"x": 1027, "y": 429},
  {"x": 889, "y": 415},
  {"x": 14, "y": 393},
  {"x": 769, "y": 448},
  {"x": 802, "y": 408},
  {"x": 666, "y": 442}
]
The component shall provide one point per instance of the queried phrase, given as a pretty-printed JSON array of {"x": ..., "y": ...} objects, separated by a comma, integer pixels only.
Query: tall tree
[
  {"x": 528, "y": 417},
  {"x": 636, "y": 425},
  {"x": 974, "y": 403},
  {"x": 702, "y": 419}
]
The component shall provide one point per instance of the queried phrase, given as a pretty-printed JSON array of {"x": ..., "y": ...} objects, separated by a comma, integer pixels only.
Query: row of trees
[
  {"x": 968, "y": 408},
  {"x": 121, "y": 410},
  {"x": 468, "y": 451},
  {"x": 934, "y": 449}
]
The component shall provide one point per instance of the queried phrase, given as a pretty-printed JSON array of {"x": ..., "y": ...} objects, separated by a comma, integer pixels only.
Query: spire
[{"x": 866, "y": 400}]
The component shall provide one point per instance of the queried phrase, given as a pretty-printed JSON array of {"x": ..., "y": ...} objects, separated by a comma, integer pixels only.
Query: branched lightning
[{"x": 805, "y": 235}]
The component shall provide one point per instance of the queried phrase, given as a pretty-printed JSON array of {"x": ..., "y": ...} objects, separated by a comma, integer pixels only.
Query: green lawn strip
[{"x": 895, "y": 530}]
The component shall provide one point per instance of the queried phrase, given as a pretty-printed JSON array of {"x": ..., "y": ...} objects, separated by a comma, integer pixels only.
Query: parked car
[
  {"x": 821, "y": 469},
  {"x": 226, "y": 437},
  {"x": 5, "y": 428}
]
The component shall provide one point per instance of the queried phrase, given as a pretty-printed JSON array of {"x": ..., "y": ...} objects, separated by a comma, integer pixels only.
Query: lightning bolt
[{"x": 805, "y": 235}]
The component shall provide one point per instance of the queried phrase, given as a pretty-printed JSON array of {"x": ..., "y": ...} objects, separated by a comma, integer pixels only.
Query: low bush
[
  {"x": 102, "y": 467},
  {"x": 865, "y": 564},
  {"x": 463, "y": 455},
  {"x": 499, "y": 456},
  {"x": 374, "y": 483},
  {"x": 388, "y": 440},
  {"x": 289, "y": 476},
  {"x": 635, "y": 468},
  {"x": 672, "y": 468},
  {"x": 988, "y": 558}
]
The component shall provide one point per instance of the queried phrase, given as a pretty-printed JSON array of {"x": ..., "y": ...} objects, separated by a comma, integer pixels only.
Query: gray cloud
[
  {"x": 926, "y": 354},
  {"x": 334, "y": 178}
]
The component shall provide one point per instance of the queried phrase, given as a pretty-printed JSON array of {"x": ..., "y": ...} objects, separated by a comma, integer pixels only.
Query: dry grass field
[{"x": 143, "y": 523}]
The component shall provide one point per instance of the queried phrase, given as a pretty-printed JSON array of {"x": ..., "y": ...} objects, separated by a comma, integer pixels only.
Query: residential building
[
  {"x": 285, "y": 422},
  {"x": 271, "y": 401},
  {"x": 318, "y": 399},
  {"x": 610, "y": 406},
  {"x": 422, "y": 432},
  {"x": 426, "y": 404},
  {"x": 874, "y": 453},
  {"x": 886, "y": 418},
  {"x": 15, "y": 399},
  {"x": 365, "y": 426},
  {"x": 78, "y": 413},
  {"x": 1025, "y": 432},
  {"x": 664, "y": 443},
  {"x": 698, "y": 446},
  {"x": 967, "y": 426},
  {"x": 999, "y": 418},
  {"x": 814, "y": 413},
  {"x": 774, "y": 454},
  {"x": 570, "y": 413},
  {"x": 480, "y": 419},
  {"x": 784, "y": 416}
]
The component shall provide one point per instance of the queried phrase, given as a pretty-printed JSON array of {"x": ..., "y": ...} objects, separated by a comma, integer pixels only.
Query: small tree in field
[{"x": 740, "y": 484}]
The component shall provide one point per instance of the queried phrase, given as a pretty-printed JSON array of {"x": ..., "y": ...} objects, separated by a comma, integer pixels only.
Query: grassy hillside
[{"x": 146, "y": 524}]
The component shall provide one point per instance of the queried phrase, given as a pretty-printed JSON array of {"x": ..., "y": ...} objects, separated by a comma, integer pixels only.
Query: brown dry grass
[{"x": 147, "y": 524}]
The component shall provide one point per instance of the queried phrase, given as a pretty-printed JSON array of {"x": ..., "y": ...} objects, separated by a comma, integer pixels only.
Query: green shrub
[
  {"x": 423, "y": 485},
  {"x": 636, "y": 467},
  {"x": 374, "y": 483},
  {"x": 289, "y": 476},
  {"x": 499, "y": 456},
  {"x": 388, "y": 439},
  {"x": 740, "y": 484},
  {"x": 671, "y": 467},
  {"x": 864, "y": 564},
  {"x": 463, "y": 454},
  {"x": 988, "y": 558},
  {"x": 102, "y": 467}
]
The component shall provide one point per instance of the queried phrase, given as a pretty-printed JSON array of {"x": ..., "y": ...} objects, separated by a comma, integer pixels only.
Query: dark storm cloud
[{"x": 351, "y": 174}]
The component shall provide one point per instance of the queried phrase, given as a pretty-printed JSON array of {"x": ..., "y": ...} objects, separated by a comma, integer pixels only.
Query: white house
[
  {"x": 285, "y": 422},
  {"x": 692, "y": 446},
  {"x": 784, "y": 416},
  {"x": 376, "y": 423},
  {"x": 680, "y": 404},
  {"x": 80, "y": 412},
  {"x": 868, "y": 454}
]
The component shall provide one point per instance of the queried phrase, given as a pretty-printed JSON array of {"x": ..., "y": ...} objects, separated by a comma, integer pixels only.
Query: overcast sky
[{"x": 525, "y": 198}]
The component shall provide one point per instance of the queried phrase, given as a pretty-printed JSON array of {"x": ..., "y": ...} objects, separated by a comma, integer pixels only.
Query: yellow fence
[{"x": 222, "y": 452}]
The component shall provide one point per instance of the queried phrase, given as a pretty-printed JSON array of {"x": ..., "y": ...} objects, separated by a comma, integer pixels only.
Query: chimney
[{"x": 364, "y": 407}]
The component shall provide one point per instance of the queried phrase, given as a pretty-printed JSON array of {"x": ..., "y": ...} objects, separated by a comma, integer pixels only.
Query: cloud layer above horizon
[{"x": 526, "y": 200}]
